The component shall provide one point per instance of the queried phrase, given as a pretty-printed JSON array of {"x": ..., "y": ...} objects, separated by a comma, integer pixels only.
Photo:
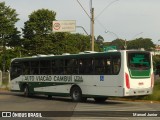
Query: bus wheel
[
  {"x": 100, "y": 99},
  {"x": 76, "y": 94},
  {"x": 84, "y": 99},
  {"x": 26, "y": 91},
  {"x": 49, "y": 97}
]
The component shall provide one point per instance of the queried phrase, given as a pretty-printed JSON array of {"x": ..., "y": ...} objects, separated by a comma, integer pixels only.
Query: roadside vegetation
[{"x": 155, "y": 96}]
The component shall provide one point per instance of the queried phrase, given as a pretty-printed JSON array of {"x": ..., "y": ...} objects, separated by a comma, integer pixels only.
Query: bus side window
[
  {"x": 54, "y": 69},
  {"x": 89, "y": 66},
  {"x": 108, "y": 66},
  {"x": 16, "y": 70},
  {"x": 86, "y": 66},
  {"x": 57, "y": 67},
  {"x": 116, "y": 65},
  {"x": 34, "y": 68},
  {"x": 45, "y": 67},
  {"x": 112, "y": 64},
  {"x": 71, "y": 66},
  {"x": 99, "y": 66},
  {"x": 75, "y": 66},
  {"x": 26, "y": 68},
  {"x": 67, "y": 67},
  {"x": 81, "y": 67}
]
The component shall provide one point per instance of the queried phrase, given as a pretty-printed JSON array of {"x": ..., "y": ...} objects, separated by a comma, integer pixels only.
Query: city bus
[{"x": 85, "y": 75}]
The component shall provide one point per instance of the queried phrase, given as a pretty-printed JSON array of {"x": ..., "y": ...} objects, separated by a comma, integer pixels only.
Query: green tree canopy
[
  {"x": 37, "y": 30},
  {"x": 139, "y": 43},
  {"x": 119, "y": 43},
  {"x": 145, "y": 43},
  {"x": 100, "y": 39},
  {"x": 39, "y": 39},
  {"x": 9, "y": 35},
  {"x": 8, "y": 31}
]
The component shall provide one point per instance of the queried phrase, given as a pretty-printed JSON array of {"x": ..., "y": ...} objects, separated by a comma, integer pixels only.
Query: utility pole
[
  {"x": 92, "y": 28},
  {"x": 125, "y": 45},
  {"x": 91, "y": 17}
]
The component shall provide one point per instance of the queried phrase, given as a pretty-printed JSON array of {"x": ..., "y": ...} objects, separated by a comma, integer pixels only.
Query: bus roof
[{"x": 85, "y": 54}]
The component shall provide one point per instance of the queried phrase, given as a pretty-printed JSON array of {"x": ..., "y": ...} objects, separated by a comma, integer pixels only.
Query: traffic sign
[
  {"x": 106, "y": 48},
  {"x": 64, "y": 26}
]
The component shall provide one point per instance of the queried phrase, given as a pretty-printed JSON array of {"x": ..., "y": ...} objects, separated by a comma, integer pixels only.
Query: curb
[{"x": 146, "y": 101}]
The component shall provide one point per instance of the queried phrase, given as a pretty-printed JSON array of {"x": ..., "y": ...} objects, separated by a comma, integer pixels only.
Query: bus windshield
[{"x": 138, "y": 60}]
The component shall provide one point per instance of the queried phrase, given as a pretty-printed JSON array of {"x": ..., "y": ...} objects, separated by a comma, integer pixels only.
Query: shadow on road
[{"x": 62, "y": 99}]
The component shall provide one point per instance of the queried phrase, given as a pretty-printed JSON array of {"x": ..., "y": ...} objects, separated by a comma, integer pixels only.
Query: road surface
[{"x": 68, "y": 110}]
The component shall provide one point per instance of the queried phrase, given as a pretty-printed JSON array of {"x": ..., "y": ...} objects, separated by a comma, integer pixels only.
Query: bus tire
[
  {"x": 100, "y": 99},
  {"x": 76, "y": 94},
  {"x": 84, "y": 99},
  {"x": 26, "y": 91},
  {"x": 49, "y": 97}
]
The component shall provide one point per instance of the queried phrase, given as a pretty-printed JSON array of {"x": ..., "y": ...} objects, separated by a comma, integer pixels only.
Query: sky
[{"x": 125, "y": 19}]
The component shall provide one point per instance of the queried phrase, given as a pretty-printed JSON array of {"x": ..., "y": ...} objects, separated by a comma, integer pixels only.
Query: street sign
[
  {"x": 107, "y": 48},
  {"x": 64, "y": 26}
]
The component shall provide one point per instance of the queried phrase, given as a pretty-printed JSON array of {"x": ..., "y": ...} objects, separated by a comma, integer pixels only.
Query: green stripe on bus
[
  {"x": 139, "y": 73},
  {"x": 42, "y": 84}
]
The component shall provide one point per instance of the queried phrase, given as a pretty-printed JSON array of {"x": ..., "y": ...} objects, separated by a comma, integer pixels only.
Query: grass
[
  {"x": 156, "y": 93},
  {"x": 155, "y": 96}
]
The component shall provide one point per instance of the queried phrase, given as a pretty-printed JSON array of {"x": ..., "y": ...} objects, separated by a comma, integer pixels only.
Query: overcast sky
[{"x": 126, "y": 19}]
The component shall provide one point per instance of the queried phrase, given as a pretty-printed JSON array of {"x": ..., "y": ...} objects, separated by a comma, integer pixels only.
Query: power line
[
  {"x": 97, "y": 20},
  {"x": 91, "y": 17},
  {"x": 83, "y": 9},
  {"x": 105, "y": 8}
]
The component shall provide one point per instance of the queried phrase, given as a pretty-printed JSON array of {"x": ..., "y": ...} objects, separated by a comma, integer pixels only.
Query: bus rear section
[{"x": 139, "y": 76}]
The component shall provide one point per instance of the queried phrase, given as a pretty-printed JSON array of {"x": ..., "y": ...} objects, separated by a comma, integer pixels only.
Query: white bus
[{"x": 84, "y": 75}]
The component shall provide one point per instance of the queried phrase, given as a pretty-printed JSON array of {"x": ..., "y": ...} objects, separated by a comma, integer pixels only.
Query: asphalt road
[{"x": 67, "y": 110}]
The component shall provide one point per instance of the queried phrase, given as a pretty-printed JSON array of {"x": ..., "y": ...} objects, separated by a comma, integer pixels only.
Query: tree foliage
[
  {"x": 139, "y": 43},
  {"x": 39, "y": 39},
  {"x": 145, "y": 43},
  {"x": 9, "y": 35},
  {"x": 8, "y": 31},
  {"x": 119, "y": 43},
  {"x": 100, "y": 39},
  {"x": 37, "y": 30}
]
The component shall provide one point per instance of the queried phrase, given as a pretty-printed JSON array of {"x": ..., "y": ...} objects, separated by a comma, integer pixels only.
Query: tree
[
  {"x": 37, "y": 31},
  {"x": 69, "y": 43},
  {"x": 145, "y": 43},
  {"x": 119, "y": 43},
  {"x": 76, "y": 43},
  {"x": 99, "y": 43},
  {"x": 100, "y": 39},
  {"x": 8, "y": 31}
]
